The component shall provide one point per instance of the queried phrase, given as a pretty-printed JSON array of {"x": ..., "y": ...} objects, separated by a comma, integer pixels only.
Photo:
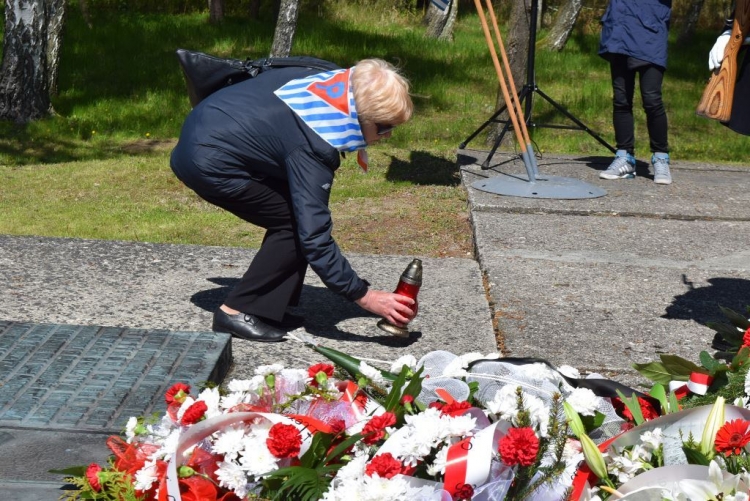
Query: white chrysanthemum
[
  {"x": 256, "y": 459},
  {"x": 146, "y": 476},
  {"x": 371, "y": 373},
  {"x": 460, "y": 426},
  {"x": 504, "y": 404},
  {"x": 538, "y": 413},
  {"x": 438, "y": 465},
  {"x": 168, "y": 446},
  {"x": 408, "y": 360},
  {"x": 354, "y": 469},
  {"x": 211, "y": 397},
  {"x": 241, "y": 385},
  {"x": 383, "y": 489},
  {"x": 265, "y": 370},
  {"x": 583, "y": 401},
  {"x": 229, "y": 442},
  {"x": 231, "y": 476},
  {"x": 232, "y": 400},
  {"x": 130, "y": 428},
  {"x": 569, "y": 371}
]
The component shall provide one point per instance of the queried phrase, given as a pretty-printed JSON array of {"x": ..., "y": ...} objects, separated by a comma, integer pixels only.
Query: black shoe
[
  {"x": 245, "y": 326},
  {"x": 288, "y": 323}
]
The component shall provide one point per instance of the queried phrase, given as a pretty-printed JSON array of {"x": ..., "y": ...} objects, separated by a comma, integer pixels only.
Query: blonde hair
[{"x": 381, "y": 93}]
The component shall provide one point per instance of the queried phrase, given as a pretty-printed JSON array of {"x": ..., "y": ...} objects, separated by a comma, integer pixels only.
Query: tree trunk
[
  {"x": 690, "y": 22},
  {"x": 286, "y": 24},
  {"x": 254, "y": 9},
  {"x": 440, "y": 23},
  {"x": 564, "y": 23},
  {"x": 215, "y": 11},
  {"x": 517, "y": 49},
  {"x": 24, "y": 80},
  {"x": 56, "y": 23}
]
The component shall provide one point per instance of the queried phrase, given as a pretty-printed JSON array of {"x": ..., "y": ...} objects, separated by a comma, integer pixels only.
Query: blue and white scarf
[{"x": 325, "y": 102}]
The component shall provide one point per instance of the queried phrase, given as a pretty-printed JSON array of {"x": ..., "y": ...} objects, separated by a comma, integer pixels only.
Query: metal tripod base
[{"x": 563, "y": 188}]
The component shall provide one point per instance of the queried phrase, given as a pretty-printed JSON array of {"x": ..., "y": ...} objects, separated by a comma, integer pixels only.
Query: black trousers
[
  {"x": 623, "y": 88},
  {"x": 274, "y": 279}
]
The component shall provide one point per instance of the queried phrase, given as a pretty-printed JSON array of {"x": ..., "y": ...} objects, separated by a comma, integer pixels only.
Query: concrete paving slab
[
  {"x": 604, "y": 283},
  {"x": 699, "y": 191},
  {"x": 177, "y": 287}
]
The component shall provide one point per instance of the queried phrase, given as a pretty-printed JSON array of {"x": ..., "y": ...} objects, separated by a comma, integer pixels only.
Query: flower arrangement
[{"x": 443, "y": 428}]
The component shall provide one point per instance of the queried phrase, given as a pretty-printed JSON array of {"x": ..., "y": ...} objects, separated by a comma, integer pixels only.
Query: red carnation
[
  {"x": 174, "y": 392},
  {"x": 374, "y": 430},
  {"x": 407, "y": 399},
  {"x": 746, "y": 338},
  {"x": 519, "y": 446},
  {"x": 325, "y": 368},
  {"x": 732, "y": 437},
  {"x": 385, "y": 465},
  {"x": 194, "y": 413},
  {"x": 463, "y": 492},
  {"x": 284, "y": 440},
  {"x": 455, "y": 408},
  {"x": 647, "y": 409},
  {"x": 92, "y": 475}
]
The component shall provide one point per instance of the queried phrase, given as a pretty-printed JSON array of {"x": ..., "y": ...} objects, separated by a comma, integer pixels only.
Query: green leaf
[
  {"x": 656, "y": 371},
  {"x": 634, "y": 406},
  {"x": 729, "y": 333},
  {"x": 342, "y": 447},
  {"x": 695, "y": 457},
  {"x": 73, "y": 471},
  {"x": 679, "y": 366},
  {"x": 346, "y": 362},
  {"x": 736, "y": 319},
  {"x": 659, "y": 393},
  {"x": 317, "y": 450},
  {"x": 740, "y": 358},
  {"x": 394, "y": 397},
  {"x": 591, "y": 423},
  {"x": 709, "y": 362},
  {"x": 674, "y": 404}
]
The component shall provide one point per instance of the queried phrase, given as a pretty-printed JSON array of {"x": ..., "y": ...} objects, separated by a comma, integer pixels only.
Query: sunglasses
[{"x": 384, "y": 129}]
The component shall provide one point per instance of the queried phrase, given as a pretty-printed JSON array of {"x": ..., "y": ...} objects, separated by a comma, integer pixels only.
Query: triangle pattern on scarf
[{"x": 334, "y": 91}]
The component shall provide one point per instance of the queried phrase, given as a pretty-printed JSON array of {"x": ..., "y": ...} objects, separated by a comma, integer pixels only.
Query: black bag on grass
[{"x": 205, "y": 74}]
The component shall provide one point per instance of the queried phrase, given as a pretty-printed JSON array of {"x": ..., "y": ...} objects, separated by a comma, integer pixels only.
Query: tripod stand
[{"x": 525, "y": 98}]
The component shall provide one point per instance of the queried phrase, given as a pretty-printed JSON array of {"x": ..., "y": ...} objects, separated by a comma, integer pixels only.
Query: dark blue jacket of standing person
[
  {"x": 245, "y": 132},
  {"x": 637, "y": 28}
]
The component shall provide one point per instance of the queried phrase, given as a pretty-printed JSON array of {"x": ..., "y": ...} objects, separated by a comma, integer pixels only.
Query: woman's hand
[{"x": 396, "y": 309}]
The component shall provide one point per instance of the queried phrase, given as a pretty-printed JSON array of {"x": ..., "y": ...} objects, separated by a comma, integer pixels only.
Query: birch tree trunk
[
  {"x": 24, "y": 74},
  {"x": 563, "y": 25},
  {"x": 691, "y": 20},
  {"x": 286, "y": 24},
  {"x": 440, "y": 23},
  {"x": 215, "y": 11},
  {"x": 55, "y": 25}
]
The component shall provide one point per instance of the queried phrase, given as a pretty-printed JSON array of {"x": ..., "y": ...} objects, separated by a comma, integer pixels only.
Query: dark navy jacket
[
  {"x": 637, "y": 28},
  {"x": 245, "y": 131}
]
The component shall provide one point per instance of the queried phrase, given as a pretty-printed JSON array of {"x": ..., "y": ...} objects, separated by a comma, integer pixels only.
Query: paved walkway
[{"x": 596, "y": 283}]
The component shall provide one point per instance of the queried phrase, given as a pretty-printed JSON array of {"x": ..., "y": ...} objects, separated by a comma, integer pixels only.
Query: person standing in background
[{"x": 634, "y": 41}]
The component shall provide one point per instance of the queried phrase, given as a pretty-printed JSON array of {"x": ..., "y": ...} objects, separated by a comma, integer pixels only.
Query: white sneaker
[
  {"x": 661, "y": 169},
  {"x": 622, "y": 167}
]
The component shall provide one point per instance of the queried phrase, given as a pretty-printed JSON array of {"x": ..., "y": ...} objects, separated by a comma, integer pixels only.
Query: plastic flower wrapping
[{"x": 444, "y": 427}]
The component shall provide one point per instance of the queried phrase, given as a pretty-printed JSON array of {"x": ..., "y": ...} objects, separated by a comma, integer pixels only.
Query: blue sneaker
[
  {"x": 622, "y": 167},
  {"x": 660, "y": 161}
]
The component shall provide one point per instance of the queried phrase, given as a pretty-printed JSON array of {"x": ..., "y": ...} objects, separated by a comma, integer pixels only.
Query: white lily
[
  {"x": 713, "y": 423},
  {"x": 715, "y": 488}
]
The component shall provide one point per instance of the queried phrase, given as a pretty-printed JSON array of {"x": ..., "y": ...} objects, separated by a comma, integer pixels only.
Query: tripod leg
[
  {"x": 474, "y": 134},
  {"x": 575, "y": 120},
  {"x": 498, "y": 140}
]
